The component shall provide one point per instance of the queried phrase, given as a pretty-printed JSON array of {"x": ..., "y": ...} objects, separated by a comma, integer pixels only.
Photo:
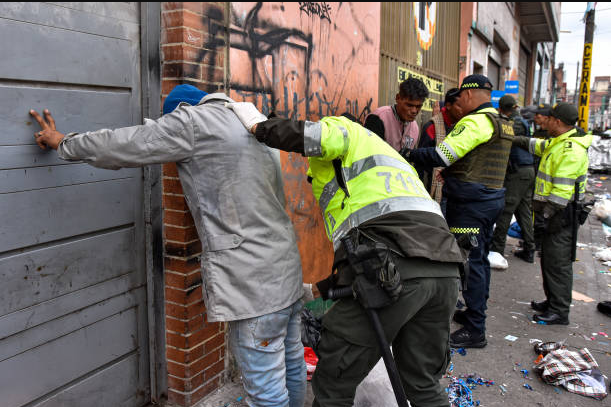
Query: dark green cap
[
  {"x": 507, "y": 102},
  {"x": 566, "y": 113}
]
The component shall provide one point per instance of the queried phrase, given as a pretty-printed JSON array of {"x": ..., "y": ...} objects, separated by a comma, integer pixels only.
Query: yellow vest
[
  {"x": 564, "y": 162},
  {"x": 356, "y": 176}
]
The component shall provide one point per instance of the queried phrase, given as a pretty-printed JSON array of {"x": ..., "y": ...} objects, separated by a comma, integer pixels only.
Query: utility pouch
[
  {"x": 325, "y": 285},
  {"x": 377, "y": 282}
]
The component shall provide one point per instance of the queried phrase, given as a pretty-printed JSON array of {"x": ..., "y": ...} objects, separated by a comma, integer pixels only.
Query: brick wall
[{"x": 193, "y": 52}]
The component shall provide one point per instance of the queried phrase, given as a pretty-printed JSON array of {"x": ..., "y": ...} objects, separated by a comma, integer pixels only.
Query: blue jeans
[{"x": 269, "y": 353}]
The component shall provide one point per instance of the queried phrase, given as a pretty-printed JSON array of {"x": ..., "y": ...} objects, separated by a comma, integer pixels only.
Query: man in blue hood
[{"x": 251, "y": 269}]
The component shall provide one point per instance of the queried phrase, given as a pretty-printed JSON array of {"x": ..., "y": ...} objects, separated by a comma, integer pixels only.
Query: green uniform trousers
[
  {"x": 519, "y": 189},
  {"x": 418, "y": 327},
  {"x": 557, "y": 265}
]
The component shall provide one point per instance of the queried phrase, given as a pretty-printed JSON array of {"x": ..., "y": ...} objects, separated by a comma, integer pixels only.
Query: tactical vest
[{"x": 487, "y": 163}]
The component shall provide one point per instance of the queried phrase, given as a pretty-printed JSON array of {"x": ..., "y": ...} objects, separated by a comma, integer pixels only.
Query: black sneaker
[
  {"x": 540, "y": 306},
  {"x": 463, "y": 338},
  {"x": 526, "y": 255},
  {"x": 604, "y": 307}
]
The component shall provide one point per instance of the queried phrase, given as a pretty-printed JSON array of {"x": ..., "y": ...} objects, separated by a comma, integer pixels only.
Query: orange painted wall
[{"x": 305, "y": 61}]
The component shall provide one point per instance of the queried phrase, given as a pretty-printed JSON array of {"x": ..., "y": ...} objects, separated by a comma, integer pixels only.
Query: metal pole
[{"x": 584, "y": 87}]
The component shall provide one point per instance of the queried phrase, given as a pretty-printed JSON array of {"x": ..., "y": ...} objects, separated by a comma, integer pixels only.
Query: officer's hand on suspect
[
  {"x": 247, "y": 113},
  {"x": 48, "y": 136}
]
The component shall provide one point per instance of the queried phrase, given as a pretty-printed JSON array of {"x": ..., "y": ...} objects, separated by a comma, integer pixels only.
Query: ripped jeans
[{"x": 269, "y": 354}]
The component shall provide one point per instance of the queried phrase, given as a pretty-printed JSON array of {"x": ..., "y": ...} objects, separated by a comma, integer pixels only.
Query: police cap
[
  {"x": 544, "y": 109},
  {"x": 476, "y": 82},
  {"x": 565, "y": 112},
  {"x": 507, "y": 102}
]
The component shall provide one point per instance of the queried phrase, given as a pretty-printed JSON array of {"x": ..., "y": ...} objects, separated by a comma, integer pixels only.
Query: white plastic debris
[
  {"x": 604, "y": 255},
  {"x": 375, "y": 390},
  {"x": 497, "y": 261}
]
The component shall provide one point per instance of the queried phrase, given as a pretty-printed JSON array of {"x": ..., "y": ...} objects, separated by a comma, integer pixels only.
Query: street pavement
[{"x": 509, "y": 313}]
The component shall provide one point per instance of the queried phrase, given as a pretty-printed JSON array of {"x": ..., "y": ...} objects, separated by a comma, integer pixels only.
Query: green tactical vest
[{"x": 487, "y": 163}]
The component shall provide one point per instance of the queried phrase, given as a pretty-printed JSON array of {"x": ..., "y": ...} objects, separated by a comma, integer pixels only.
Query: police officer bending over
[
  {"x": 476, "y": 154},
  {"x": 370, "y": 195},
  {"x": 559, "y": 191}
]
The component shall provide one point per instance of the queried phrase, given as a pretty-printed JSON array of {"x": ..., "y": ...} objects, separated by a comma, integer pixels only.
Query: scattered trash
[
  {"x": 497, "y": 261},
  {"x": 511, "y": 338},
  {"x": 460, "y": 351},
  {"x": 311, "y": 327},
  {"x": 557, "y": 390},
  {"x": 503, "y": 389},
  {"x": 515, "y": 230},
  {"x": 311, "y": 361},
  {"x": 604, "y": 255},
  {"x": 541, "y": 323},
  {"x": 531, "y": 341},
  {"x": 526, "y": 385},
  {"x": 459, "y": 394},
  {"x": 229, "y": 403},
  {"x": 525, "y": 373},
  {"x": 577, "y": 371},
  {"x": 547, "y": 347},
  {"x": 375, "y": 389}
]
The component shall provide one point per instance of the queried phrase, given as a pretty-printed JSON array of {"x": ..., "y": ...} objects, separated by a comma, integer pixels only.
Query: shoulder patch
[{"x": 457, "y": 130}]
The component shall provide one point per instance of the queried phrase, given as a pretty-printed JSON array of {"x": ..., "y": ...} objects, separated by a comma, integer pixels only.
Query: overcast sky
[{"x": 570, "y": 46}]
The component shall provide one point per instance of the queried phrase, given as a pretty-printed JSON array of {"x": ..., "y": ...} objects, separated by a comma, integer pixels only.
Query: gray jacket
[{"x": 233, "y": 186}]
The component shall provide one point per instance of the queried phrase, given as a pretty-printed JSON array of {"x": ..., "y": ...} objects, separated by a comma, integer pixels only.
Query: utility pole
[
  {"x": 584, "y": 87},
  {"x": 576, "y": 85}
]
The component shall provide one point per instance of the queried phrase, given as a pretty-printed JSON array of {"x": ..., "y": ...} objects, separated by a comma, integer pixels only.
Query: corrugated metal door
[{"x": 73, "y": 314}]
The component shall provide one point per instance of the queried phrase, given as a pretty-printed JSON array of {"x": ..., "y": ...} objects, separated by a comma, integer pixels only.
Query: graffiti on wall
[{"x": 301, "y": 60}]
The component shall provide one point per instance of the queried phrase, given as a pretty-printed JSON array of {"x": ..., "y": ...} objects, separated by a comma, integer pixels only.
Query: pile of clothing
[{"x": 576, "y": 371}]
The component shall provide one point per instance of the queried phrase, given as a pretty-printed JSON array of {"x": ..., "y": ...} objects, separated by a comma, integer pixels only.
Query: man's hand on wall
[{"x": 48, "y": 136}]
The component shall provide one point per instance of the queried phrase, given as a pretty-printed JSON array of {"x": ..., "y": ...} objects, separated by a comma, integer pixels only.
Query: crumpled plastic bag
[
  {"x": 515, "y": 230},
  {"x": 603, "y": 255},
  {"x": 497, "y": 261},
  {"x": 310, "y": 329},
  {"x": 602, "y": 209},
  {"x": 375, "y": 390},
  {"x": 311, "y": 361}
]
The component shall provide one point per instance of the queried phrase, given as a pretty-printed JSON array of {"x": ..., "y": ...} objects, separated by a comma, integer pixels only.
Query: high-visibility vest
[
  {"x": 564, "y": 162},
  {"x": 356, "y": 176}
]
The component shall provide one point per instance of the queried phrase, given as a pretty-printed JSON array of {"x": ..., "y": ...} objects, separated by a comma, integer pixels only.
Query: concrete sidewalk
[{"x": 509, "y": 313}]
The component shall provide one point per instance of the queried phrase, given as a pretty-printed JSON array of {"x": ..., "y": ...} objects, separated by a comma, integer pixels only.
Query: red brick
[
  {"x": 213, "y": 74},
  {"x": 215, "y": 369},
  {"x": 203, "y": 334},
  {"x": 184, "y": 356},
  {"x": 214, "y": 342},
  {"x": 201, "y": 364},
  {"x": 183, "y": 249},
  {"x": 182, "y": 52},
  {"x": 178, "y": 218},
  {"x": 179, "y": 399},
  {"x": 184, "y": 311},
  {"x": 170, "y": 170},
  {"x": 177, "y": 369},
  {"x": 182, "y": 70},
  {"x": 183, "y": 281},
  {"x": 173, "y": 18},
  {"x": 175, "y": 202},
  {"x": 184, "y": 326},
  {"x": 180, "y": 233},
  {"x": 172, "y": 186},
  {"x": 183, "y": 296},
  {"x": 186, "y": 384},
  {"x": 166, "y": 87},
  {"x": 171, "y": 5},
  {"x": 180, "y": 265}
]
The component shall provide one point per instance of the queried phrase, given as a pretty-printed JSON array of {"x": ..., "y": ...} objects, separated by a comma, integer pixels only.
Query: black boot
[
  {"x": 551, "y": 319},
  {"x": 463, "y": 338},
  {"x": 526, "y": 255},
  {"x": 540, "y": 306}
]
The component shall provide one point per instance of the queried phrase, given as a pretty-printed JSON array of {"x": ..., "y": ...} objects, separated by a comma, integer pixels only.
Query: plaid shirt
[{"x": 564, "y": 367}]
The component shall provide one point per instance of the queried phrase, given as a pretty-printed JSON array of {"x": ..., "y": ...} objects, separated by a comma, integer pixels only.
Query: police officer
[
  {"x": 564, "y": 165},
  {"x": 519, "y": 185},
  {"x": 366, "y": 189},
  {"x": 476, "y": 154},
  {"x": 542, "y": 113}
]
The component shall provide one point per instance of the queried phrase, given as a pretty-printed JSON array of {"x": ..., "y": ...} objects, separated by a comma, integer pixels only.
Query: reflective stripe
[
  {"x": 357, "y": 168},
  {"x": 560, "y": 180},
  {"x": 464, "y": 230},
  {"x": 531, "y": 145},
  {"x": 328, "y": 192},
  {"x": 373, "y": 210},
  {"x": 312, "y": 136},
  {"x": 447, "y": 154},
  {"x": 345, "y": 133},
  {"x": 558, "y": 200}
]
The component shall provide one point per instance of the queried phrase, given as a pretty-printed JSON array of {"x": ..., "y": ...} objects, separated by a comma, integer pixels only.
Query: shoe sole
[{"x": 478, "y": 345}]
